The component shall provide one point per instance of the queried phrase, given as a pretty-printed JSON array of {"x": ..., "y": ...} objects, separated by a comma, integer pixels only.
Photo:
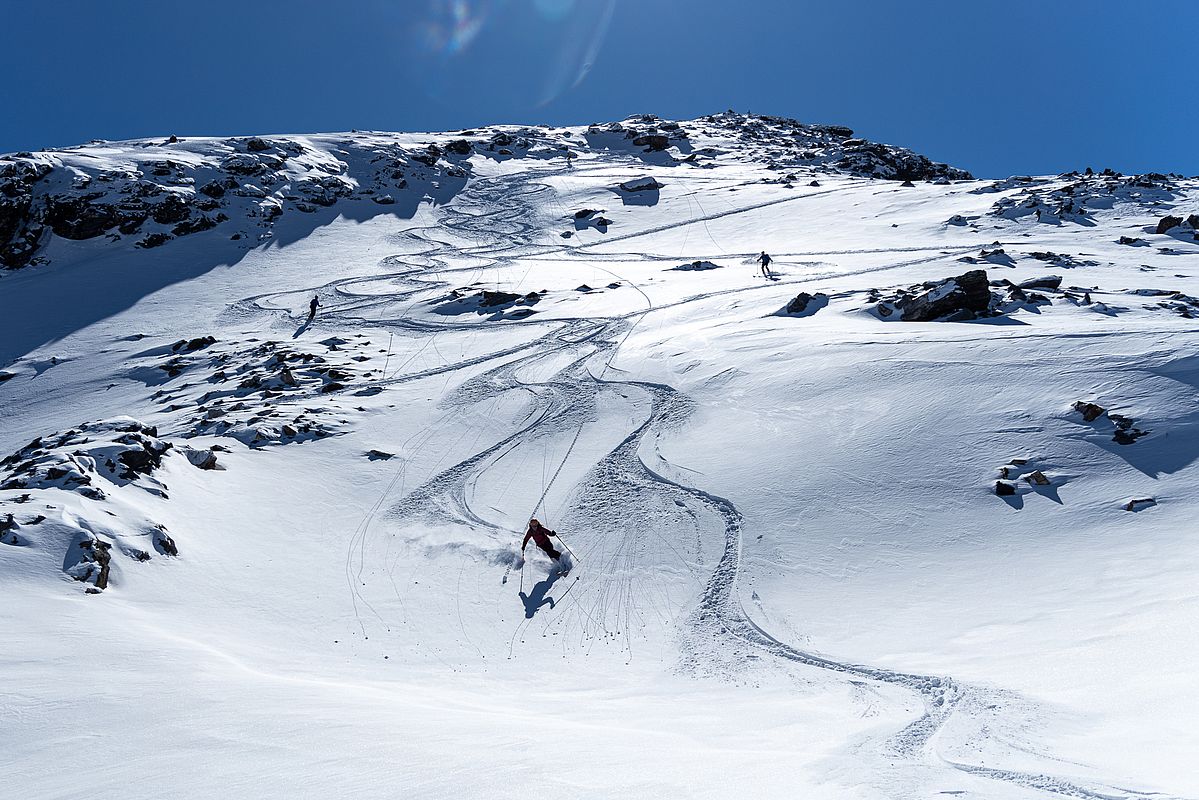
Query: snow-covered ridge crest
[{"x": 151, "y": 191}]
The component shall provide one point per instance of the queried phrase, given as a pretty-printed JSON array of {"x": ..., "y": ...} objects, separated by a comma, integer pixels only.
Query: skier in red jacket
[{"x": 541, "y": 536}]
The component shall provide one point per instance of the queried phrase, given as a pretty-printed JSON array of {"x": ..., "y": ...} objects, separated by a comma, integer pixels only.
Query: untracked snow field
[{"x": 820, "y": 554}]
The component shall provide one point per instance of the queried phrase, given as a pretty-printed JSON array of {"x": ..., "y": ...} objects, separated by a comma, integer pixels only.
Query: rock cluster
[
  {"x": 159, "y": 195},
  {"x": 784, "y": 144},
  {"x": 957, "y": 299},
  {"x": 94, "y": 463},
  {"x": 261, "y": 393},
  {"x": 1124, "y": 429},
  {"x": 1072, "y": 197}
]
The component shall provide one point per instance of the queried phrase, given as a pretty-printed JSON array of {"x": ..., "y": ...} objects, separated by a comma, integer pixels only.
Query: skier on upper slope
[
  {"x": 765, "y": 260},
  {"x": 312, "y": 308}
]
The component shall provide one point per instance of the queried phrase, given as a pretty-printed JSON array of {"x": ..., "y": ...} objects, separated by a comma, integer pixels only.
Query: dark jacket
[{"x": 540, "y": 535}]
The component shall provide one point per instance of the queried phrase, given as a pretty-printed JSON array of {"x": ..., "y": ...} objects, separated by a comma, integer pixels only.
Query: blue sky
[{"x": 997, "y": 87}]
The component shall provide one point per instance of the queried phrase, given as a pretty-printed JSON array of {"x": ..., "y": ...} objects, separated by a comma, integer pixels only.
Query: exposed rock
[
  {"x": 1126, "y": 430},
  {"x": 652, "y": 142},
  {"x": 641, "y": 185},
  {"x": 1167, "y": 222},
  {"x": 379, "y": 455},
  {"x": 967, "y": 295},
  {"x": 1139, "y": 503},
  {"x": 1037, "y": 478},
  {"x": 96, "y": 562},
  {"x": 154, "y": 240},
  {"x": 696, "y": 266},
  {"x": 164, "y": 543},
  {"x": 801, "y": 301},
  {"x": 1044, "y": 282},
  {"x": 1090, "y": 411},
  {"x": 192, "y": 345},
  {"x": 79, "y": 218},
  {"x": 497, "y": 298},
  {"x": 1005, "y": 488},
  {"x": 201, "y": 459}
]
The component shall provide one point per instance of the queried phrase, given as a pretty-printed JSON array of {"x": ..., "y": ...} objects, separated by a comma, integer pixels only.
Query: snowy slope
[{"x": 834, "y": 552}]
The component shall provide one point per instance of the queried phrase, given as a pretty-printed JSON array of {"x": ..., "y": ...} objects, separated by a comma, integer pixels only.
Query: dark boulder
[
  {"x": 652, "y": 141},
  {"x": 163, "y": 542},
  {"x": 804, "y": 302},
  {"x": 641, "y": 185},
  {"x": 1037, "y": 478},
  {"x": 201, "y": 459},
  {"x": 1044, "y": 282},
  {"x": 191, "y": 345},
  {"x": 1167, "y": 222},
  {"x": 257, "y": 145},
  {"x": 494, "y": 298},
  {"x": 201, "y": 223},
  {"x": 154, "y": 240},
  {"x": 96, "y": 552},
  {"x": 459, "y": 147},
  {"x": 143, "y": 458},
  {"x": 79, "y": 218},
  {"x": 1090, "y": 411},
  {"x": 430, "y": 155},
  {"x": 1126, "y": 430},
  {"x": 968, "y": 294}
]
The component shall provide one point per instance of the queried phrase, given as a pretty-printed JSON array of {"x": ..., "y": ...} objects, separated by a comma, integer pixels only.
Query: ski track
[{"x": 565, "y": 403}]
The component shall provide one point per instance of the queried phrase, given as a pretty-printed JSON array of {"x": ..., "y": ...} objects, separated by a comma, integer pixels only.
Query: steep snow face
[{"x": 908, "y": 512}]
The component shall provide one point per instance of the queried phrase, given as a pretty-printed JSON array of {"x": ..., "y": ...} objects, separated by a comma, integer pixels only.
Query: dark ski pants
[{"x": 549, "y": 550}]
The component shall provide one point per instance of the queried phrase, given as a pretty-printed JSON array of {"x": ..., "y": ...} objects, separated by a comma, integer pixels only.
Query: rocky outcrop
[
  {"x": 963, "y": 297},
  {"x": 77, "y": 478},
  {"x": 1166, "y": 223},
  {"x": 155, "y": 192},
  {"x": 804, "y": 304},
  {"x": 1090, "y": 411},
  {"x": 159, "y": 192},
  {"x": 645, "y": 184},
  {"x": 1071, "y": 198}
]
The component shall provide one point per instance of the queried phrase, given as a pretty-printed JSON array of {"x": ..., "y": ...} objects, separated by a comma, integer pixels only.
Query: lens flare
[{"x": 502, "y": 57}]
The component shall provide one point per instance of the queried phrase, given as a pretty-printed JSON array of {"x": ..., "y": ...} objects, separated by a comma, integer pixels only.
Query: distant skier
[
  {"x": 541, "y": 536},
  {"x": 765, "y": 260},
  {"x": 312, "y": 306}
]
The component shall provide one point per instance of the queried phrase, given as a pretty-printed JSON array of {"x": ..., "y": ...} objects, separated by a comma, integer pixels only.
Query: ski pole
[{"x": 572, "y": 552}]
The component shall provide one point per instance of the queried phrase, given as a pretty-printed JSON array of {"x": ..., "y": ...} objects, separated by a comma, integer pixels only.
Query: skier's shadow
[
  {"x": 537, "y": 598},
  {"x": 300, "y": 331}
]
